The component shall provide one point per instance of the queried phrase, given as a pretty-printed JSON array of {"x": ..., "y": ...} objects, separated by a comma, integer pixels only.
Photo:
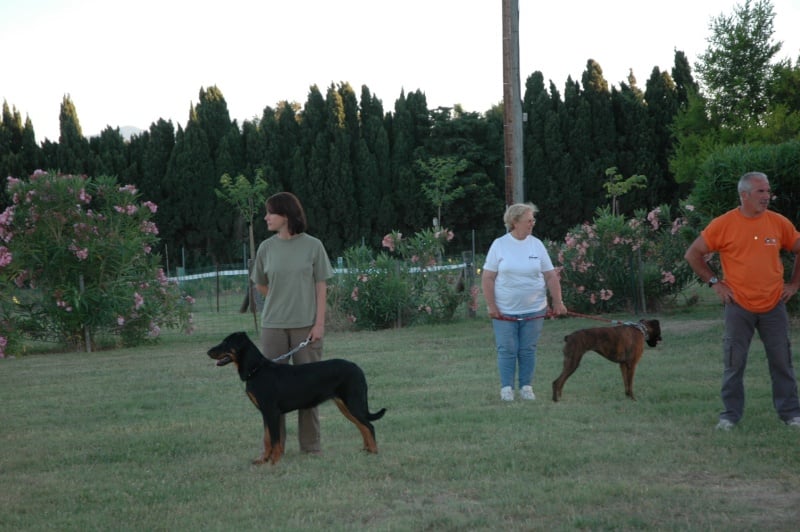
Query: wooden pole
[{"x": 512, "y": 105}]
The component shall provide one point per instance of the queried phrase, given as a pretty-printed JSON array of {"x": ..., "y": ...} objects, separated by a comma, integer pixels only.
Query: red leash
[{"x": 511, "y": 318}]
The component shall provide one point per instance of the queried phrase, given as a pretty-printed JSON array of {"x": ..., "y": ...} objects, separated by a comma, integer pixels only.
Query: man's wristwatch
[{"x": 713, "y": 280}]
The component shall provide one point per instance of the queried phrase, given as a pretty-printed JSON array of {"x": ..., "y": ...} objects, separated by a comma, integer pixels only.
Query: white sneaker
[
  {"x": 725, "y": 424},
  {"x": 506, "y": 393},
  {"x": 527, "y": 393},
  {"x": 794, "y": 422}
]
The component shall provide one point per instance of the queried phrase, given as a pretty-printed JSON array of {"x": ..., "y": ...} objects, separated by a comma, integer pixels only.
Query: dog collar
[{"x": 639, "y": 325}]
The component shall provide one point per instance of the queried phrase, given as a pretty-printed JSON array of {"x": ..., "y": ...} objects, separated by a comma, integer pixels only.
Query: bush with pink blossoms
[
  {"x": 76, "y": 261},
  {"x": 633, "y": 264},
  {"x": 407, "y": 283}
]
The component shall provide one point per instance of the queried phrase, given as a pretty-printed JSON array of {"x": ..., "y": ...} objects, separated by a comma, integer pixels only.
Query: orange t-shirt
[{"x": 749, "y": 250}]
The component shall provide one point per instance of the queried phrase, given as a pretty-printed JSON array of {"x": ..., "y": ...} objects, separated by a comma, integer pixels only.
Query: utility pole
[{"x": 512, "y": 104}]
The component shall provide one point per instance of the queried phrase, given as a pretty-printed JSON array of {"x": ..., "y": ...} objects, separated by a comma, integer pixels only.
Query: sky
[{"x": 126, "y": 63}]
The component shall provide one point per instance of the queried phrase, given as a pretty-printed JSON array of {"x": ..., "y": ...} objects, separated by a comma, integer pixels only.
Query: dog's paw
[{"x": 260, "y": 460}]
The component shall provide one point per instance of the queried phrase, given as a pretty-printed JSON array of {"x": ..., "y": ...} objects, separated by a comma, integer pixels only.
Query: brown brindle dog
[{"x": 623, "y": 344}]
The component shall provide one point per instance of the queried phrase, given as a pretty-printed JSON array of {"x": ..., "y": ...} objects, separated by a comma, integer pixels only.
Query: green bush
[
  {"x": 616, "y": 264},
  {"x": 77, "y": 261},
  {"x": 405, "y": 285}
]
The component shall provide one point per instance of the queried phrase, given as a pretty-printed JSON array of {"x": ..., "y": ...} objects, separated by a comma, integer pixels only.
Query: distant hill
[{"x": 128, "y": 131}]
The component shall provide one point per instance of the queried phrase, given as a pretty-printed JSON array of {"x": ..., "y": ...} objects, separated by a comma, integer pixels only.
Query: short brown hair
[{"x": 287, "y": 204}]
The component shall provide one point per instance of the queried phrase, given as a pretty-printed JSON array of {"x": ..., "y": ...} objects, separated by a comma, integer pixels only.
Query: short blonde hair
[{"x": 516, "y": 211}]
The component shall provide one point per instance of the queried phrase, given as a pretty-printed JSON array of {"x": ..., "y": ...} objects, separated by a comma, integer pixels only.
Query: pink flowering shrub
[
  {"x": 76, "y": 261},
  {"x": 407, "y": 283},
  {"x": 616, "y": 264}
]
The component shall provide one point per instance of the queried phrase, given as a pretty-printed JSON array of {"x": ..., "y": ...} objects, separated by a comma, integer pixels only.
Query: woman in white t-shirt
[{"x": 516, "y": 277}]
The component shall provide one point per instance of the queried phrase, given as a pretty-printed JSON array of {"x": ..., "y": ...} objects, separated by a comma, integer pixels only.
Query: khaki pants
[{"x": 276, "y": 342}]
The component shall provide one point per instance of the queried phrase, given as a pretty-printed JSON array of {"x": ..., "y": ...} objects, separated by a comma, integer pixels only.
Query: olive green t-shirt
[{"x": 290, "y": 269}]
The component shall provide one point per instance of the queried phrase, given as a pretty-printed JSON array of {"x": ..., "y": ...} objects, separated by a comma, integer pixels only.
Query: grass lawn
[{"x": 158, "y": 438}]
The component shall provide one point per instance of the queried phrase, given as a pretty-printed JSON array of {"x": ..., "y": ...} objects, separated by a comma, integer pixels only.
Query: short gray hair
[
  {"x": 746, "y": 181},
  {"x": 516, "y": 211}
]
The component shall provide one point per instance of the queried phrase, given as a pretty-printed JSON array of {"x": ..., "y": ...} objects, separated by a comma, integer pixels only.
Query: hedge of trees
[{"x": 361, "y": 169}]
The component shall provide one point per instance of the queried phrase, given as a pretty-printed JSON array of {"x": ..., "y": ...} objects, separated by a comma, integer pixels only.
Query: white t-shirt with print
[{"x": 519, "y": 287}]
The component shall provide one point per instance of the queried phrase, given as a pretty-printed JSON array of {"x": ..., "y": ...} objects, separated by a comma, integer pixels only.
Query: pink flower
[
  {"x": 150, "y": 205},
  {"x": 354, "y": 294},
  {"x": 667, "y": 277},
  {"x": 652, "y": 217},
  {"x": 130, "y": 210},
  {"x": 388, "y": 242},
  {"x": 149, "y": 227},
  {"x": 80, "y": 253},
  {"x": 3, "y": 344},
  {"x": 189, "y": 299},
  {"x": 84, "y": 196},
  {"x": 120, "y": 321},
  {"x": 605, "y": 295},
  {"x": 138, "y": 301},
  {"x": 5, "y": 257}
]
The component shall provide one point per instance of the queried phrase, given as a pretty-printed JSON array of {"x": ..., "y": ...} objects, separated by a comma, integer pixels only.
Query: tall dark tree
[
  {"x": 458, "y": 135},
  {"x": 372, "y": 169},
  {"x": 159, "y": 143},
  {"x": 18, "y": 153},
  {"x": 337, "y": 217},
  {"x": 190, "y": 206},
  {"x": 311, "y": 163},
  {"x": 73, "y": 148},
  {"x": 108, "y": 154},
  {"x": 577, "y": 131},
  {"x": 213, "y": 117},
  {"x": 635, "y": 150},
  {"x": 683, "y": 79},
  {"x": 410, "y": 129},
  {"x": 663, "y": 104},
  {"x": 601, "y": 129}
]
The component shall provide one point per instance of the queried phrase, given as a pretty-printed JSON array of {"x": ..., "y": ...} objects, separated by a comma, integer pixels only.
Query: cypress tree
[
  {"x": 12, "y": 158},
  {"x": 73, "y": 148},
  {"x": 108, "y": 153},
  {"x": 372, "y": 170},
  {"x": 410, "y": 128},
  {"x": 663, "y": 103},
  {"x": 312, "y": 160},
  {"x": 602, "y": 132},
  {"x": 578, "y": 139}
]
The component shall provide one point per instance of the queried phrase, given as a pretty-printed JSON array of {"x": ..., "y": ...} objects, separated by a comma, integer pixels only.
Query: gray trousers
[
  {"x": 773, "y": 329},
  {"x": 276, "y": 342}
]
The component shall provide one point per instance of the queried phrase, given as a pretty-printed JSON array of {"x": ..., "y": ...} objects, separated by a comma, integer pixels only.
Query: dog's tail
[{"x": 377, "y": 415}]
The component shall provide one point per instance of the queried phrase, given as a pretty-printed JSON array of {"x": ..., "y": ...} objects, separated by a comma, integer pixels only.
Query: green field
[{"x": 158, "y": 438}]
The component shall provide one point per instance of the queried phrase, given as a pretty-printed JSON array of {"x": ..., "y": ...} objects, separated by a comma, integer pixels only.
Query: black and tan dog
[
  {"x": 623, "y": 344},
  {"x": 279, "y": 388}
]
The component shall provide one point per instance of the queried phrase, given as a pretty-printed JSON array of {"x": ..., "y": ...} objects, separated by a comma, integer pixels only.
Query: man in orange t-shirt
[{"x": 749, "y": 239}]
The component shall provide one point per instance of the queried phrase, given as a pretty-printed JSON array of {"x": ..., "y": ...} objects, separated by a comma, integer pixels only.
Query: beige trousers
[{"x": 276, "y": 342}]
